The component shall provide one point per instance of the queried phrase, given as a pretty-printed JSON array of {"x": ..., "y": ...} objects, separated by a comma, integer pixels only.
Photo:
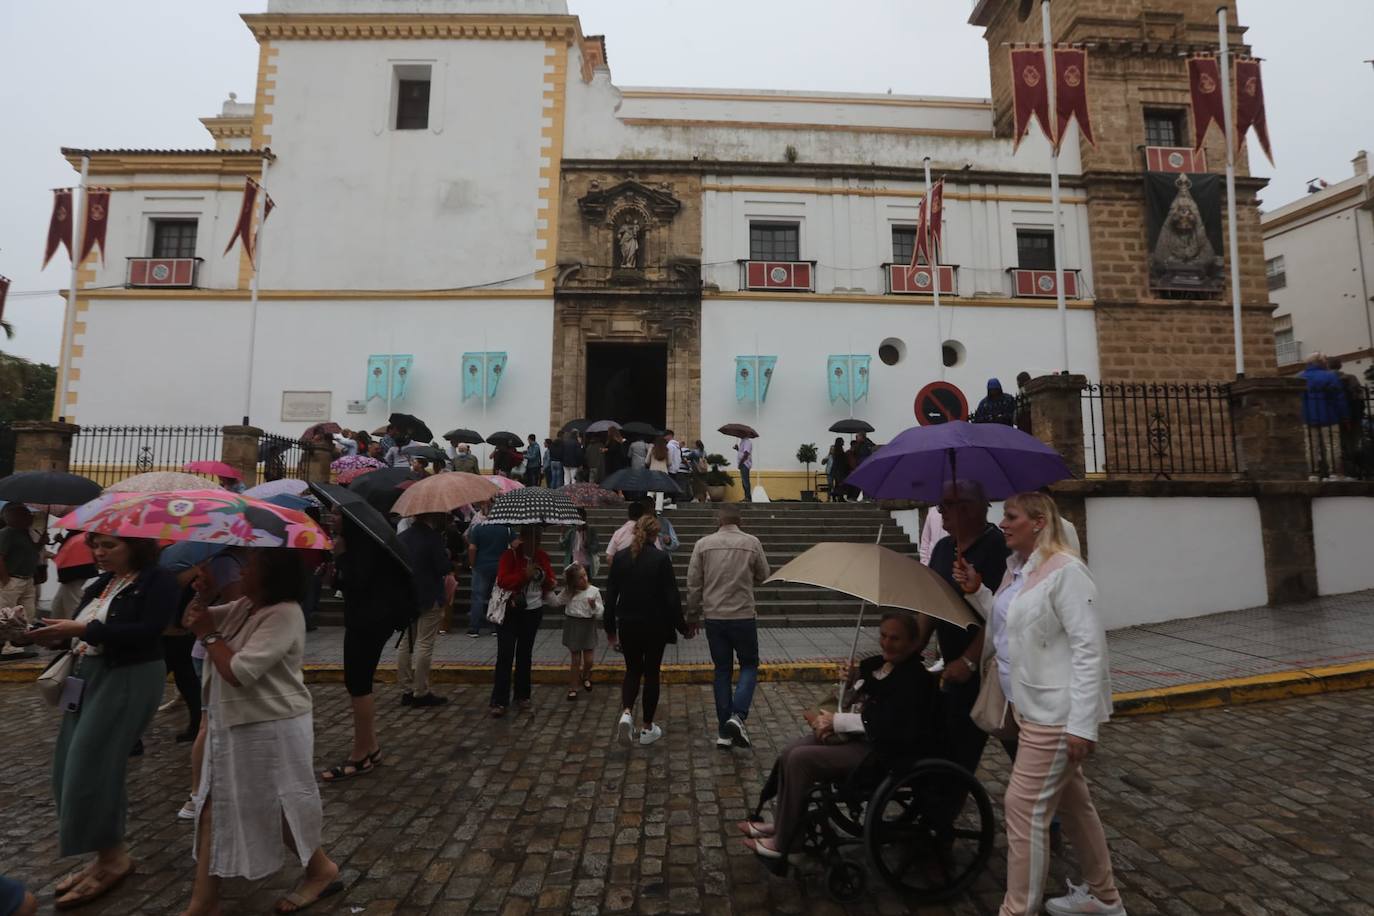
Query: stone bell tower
[{"x": 1139, "y": 98}]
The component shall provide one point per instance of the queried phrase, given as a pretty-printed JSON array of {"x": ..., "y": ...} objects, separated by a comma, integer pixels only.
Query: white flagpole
[
  {"x": 1055, "y": 204},
  {"x": 485, "y": 357},
  {"x": 1225, "y": 41},
  {"x": 850, "y": 375},
  {"x": 69, "y": 329},
  {"x": 753, "y": 454},
  {"x": 254, "y": 244},
  {"x": 933, "y": 263}
]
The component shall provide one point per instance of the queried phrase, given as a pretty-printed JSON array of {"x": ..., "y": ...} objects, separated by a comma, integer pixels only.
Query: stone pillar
[
  {"x": 315, "y": 463},
  {"x": 1266, "y": 417},
  {"x": 43, "y": 446},
  {"x": 240, "y": 449},
  {"x": 1056, "y": 406},
  {"x": 1290, "y": 553}
]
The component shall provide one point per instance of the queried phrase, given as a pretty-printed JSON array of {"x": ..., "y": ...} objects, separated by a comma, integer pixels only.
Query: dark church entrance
[{"x": 627, "y": 382}]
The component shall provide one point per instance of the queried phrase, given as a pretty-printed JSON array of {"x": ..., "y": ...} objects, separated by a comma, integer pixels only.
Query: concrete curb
[{"x": 1201, "y": 695}]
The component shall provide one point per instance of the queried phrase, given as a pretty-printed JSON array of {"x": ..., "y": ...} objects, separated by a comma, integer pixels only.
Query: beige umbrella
[
  {"x": 878, "y": 576},
  {"x": 161, "y": 482},
  {"x": 444, "y": 493}
]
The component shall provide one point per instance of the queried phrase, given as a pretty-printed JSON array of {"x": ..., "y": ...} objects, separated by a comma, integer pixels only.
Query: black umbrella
[
  {"x": 466, "y": 436},
  {"x": 510, "y": 440},
  {"x": 381, "y": 487},
  {"x": 640, "y": 429},
  {"x": 739, "y": 430},
  {"x": 533, "y": 506},
  {"x": 851, "y": 426},
  {"x": 580, "y": 425},
  {"x": 412, "y": 426},
  {"x": 357, "y": 510},
  {"x": 48, "y": 488},
  {"x": 640, "y": 480},
  {"x": 428, "y": 452}
]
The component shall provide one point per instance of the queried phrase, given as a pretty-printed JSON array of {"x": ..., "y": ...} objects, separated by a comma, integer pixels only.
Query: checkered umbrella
[{"x": 533, "y": 506}]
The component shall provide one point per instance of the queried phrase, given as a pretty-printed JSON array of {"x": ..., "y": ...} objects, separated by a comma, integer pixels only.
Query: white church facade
[{"x": 460, "y": 184}]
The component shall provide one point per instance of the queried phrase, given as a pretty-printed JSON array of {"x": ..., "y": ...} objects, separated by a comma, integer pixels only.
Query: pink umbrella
[
  {"x": 505, "y": 483},
  {"x": 348, "y": 475},
  {"x": 207, "y": 516},
  {"x": 216, "y": 468}
]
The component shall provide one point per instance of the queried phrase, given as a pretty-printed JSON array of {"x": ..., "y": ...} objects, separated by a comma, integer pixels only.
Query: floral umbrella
[
  {"x": 589, "y": 496},
  {"x": 348, "y": 475},
  {"x": 207, "y": 516},
  {"x": 505, "y": 483},
  {"x": 159, "y": 482},
  {"x": 349, "y": 462}
]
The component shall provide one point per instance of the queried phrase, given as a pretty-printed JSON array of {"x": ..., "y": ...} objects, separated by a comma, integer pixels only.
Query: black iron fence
[
  {"x": 280, "y": 456},
  {"x": 1340, "y": 432},
  {"x": 1158, "y": 430},
  {"x": 108, "y": 454}
]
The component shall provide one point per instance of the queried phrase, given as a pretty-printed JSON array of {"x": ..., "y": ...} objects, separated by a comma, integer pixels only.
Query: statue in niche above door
[{"x": 628, "y": 236}]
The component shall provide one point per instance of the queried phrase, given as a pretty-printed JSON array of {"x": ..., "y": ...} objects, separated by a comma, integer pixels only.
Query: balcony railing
[
  {"x": 1174, "y": 159},
  {"x": 1040, "y": 284},
  {"x": 778, "y": 276},
  {"x": 155, "y": 273},
  {"x": 905, "y": 280},
  {"x": 1289, "y": 352}
]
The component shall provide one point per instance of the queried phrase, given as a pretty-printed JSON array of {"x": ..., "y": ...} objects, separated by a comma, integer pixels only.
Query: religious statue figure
[
  {"x": 1183, "y": 255},
  {"x": 627, "y": 237}
]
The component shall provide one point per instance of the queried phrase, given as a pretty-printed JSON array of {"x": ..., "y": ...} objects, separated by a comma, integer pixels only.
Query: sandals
[
  {"x": 754, "y": 831},
  {"x": 762, "y": 851},
  {"x": 298, "y": 902},
  {"x": 103, "y": 881},
  {"x": 572, "y": 695},
  {"x": 341, "y": 772},
  {"x": 587, "y": 683}
]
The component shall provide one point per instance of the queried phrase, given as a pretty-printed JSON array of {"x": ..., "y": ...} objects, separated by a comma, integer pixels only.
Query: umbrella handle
[{"x": 853, "y": 648}]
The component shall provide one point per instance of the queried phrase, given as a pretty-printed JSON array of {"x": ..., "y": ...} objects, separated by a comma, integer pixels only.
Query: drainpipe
[{"x": 1368, "y": 207}]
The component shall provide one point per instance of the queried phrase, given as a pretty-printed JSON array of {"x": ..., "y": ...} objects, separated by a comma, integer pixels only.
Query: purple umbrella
[{"x": 918, "y": 463}]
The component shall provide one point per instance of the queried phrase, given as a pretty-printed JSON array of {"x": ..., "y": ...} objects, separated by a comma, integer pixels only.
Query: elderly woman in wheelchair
[{"x": 872, "y": 779}]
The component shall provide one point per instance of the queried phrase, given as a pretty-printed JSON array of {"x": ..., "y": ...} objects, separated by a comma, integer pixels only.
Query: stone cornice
[
  {"x": 229, "y": 128},
  {"x": 170, "y": 162},
  {"x": 383, "y": 26},
  {"x": 954, "y": 176}
]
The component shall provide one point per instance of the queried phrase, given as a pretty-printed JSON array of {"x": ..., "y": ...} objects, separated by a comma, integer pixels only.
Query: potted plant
[
  {"x": 807, "y": 454},
  {"x": 716, "y": 479}
]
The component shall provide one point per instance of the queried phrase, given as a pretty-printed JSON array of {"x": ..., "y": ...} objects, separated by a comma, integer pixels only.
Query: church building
[{"x": 472, "y": 222}]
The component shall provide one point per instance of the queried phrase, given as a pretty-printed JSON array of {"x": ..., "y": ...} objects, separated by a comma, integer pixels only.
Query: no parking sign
[{"x": 940, "y": 402}]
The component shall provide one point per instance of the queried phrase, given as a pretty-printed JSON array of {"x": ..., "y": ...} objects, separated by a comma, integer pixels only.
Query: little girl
[{"x": 582, "y": 609}]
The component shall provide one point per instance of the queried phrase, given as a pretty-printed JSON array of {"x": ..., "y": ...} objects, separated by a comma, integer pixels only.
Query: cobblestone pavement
[{"x": 1263, "y": 809}]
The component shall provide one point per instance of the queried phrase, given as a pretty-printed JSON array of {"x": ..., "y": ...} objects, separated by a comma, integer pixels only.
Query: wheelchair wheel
[
  {"x": 929, "y": 831},
  {"x": 846, "y": 881}
]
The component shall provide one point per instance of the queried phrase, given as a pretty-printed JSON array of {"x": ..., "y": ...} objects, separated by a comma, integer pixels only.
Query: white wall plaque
[{"x": 306, "y": 406}]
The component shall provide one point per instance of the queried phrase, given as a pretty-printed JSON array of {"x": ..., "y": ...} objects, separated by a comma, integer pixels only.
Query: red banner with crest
[
  {"x": 97, "y": 218},
  {"x": 1204, "y": 82},
  {"x": 60, "y": 225},
  {"x": 243, "y": 229},
  {"x": 1071, "y": 93},
  {"x": 936, "y": 215},
  {"x": 1250, "y": 105},
  {"x": 1030, "y": 91}
]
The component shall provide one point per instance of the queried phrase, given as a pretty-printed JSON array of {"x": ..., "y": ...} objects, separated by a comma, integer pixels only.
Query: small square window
[
  {"x": 1165, "y": 127},
  {"x": 174, "y": 238},
  {"x": 412, "y": 104},
  {"x": 1035, "y": 249},
  {"x": 774, "y": 242},
  {"x": 1275, "y": 273},
  {"x": 903, "y": 244}
]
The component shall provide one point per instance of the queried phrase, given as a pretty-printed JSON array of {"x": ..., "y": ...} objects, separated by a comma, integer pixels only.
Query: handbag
[
  {"x": 54, "y": 677},
  {"x": 496, "y": 605},
  {"x": 991, "y": 712}
]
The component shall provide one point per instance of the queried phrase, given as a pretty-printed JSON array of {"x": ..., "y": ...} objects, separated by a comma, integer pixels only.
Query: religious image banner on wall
[
  {"x": 754, "y": 373},
  {"x": 1184, "y": 213},
  {"x": 482, "y": 373}
]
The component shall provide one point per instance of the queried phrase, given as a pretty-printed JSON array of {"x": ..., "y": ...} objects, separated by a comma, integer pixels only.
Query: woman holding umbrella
[
  {"x": 837, "y": 469},
  {"x": 526, "y": 572}
]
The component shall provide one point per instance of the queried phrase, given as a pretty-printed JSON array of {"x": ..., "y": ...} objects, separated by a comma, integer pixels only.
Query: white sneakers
[
  {"x": 625, "y": 728},
  {"x": 725, "y": 742},
  {"x": 188, "y": 810},
  {"x": 1079, "y": 901},
  {"x": 650, "y": 735},
  {"x": 734, "y": 728}
]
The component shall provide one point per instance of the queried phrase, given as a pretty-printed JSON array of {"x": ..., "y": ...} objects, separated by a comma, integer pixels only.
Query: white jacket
[{"x": 1059, "y": 664}]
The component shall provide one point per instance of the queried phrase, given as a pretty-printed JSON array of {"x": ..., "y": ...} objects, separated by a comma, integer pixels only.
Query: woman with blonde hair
[
  {"x": 643, "y": 614},
  {"x": 1050, "y": 653}
]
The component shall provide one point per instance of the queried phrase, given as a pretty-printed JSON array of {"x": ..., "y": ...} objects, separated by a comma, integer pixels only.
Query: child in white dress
[{"x": 582, "y": 609}]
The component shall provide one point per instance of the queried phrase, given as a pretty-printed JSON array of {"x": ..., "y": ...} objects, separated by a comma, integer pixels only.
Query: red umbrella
[
  {"x": 74, "y": 552},
  {"x": 216, "y": 468}
]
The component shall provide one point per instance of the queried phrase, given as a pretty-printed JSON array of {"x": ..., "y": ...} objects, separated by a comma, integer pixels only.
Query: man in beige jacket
[{"x": 725, "y": 568}]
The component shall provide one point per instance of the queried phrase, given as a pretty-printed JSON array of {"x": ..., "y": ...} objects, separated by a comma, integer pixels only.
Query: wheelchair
[{"x": 925, "y": 826}]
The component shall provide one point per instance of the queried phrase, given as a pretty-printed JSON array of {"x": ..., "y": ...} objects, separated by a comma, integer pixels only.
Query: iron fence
[
  {"x": 280, "y": 456},
  {"x": 1158, "y": 430},
  {"x": 108, "y": 454},
  {"x": 1340, "y": 432}
]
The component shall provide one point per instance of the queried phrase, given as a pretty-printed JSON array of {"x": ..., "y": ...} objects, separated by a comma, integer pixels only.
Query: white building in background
[
  {"x": 1319, "y": 255},
  {"x": 441, "y": 170}
]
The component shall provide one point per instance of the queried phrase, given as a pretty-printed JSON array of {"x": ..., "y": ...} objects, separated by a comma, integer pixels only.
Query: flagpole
[
  {"x": 933, "y": 262},
  {"x": 485, "y": 350},
  {"x": 850, "y": 376},
  {"x": 254, "y": 245},
  {"x": 1051, "y": 79},
  {"x": 1224, "y": 40},
  {"x": 69, "y": 326},
  {"x": 753, "y": 454}
]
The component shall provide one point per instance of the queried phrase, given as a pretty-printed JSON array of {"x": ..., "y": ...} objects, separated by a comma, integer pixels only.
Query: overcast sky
[{"x": 139, "y": 73}]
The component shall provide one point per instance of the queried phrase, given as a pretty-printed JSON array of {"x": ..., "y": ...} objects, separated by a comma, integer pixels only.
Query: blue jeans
[
  {"x": 482, "y": 582},
  {"x": 727, "y": 639},
  {"x": 555, "y": 474},
  {"x": 744, "y": 481}
]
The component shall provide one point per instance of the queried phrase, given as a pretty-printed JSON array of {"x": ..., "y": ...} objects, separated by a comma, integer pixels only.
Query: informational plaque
[{"x": 306, "y": 406}]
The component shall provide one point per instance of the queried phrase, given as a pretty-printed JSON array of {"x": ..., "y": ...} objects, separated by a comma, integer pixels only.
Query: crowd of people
[{"x": 1335, "y": 409}]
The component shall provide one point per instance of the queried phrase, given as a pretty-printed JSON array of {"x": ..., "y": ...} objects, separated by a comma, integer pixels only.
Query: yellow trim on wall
[
  {"x": 551, "y": 147},
  {"x": 137, "y": 163},
  {"x": 883, "y": 192},
  {"x": 221, "y": 295},
  {"x": 188, "y": 186},
  {"x": 400, "y": 26},
  {"x": 707, "y": 95},
  {"x": 947, "y": 301},
  {"x": 805, "y": 126},
  {"x": 225, "y": 129}
]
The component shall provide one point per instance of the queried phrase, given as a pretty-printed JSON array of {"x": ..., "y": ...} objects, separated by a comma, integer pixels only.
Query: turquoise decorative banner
[
  {"x": 483, "y": 371},
  {"x": 388, "y": 375},
  {"x": 848, "y": 373},
  {"x": 753, "y": 373},
  {"x": 400, "y": 375}
]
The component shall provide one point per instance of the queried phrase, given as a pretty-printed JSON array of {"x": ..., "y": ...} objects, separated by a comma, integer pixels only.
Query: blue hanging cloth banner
[
  {"x": 844, "y": 371},
  {"x": 753, "y": 373},
  {"x": 400, "y": 375},
  {"x": 482, "y": 370},
  {"x": 388, "y": 375},
  {"x": 377, "y": 376}
]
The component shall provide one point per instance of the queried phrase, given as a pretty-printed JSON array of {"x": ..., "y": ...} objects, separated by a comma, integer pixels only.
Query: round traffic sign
[{"x": 940, "y": 402}]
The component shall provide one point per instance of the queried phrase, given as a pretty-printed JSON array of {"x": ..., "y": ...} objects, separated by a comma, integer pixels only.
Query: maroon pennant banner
[
  {"x": 1030, "y": 91},
  {"x": 1204, "y": 81},
  {"x": 937, "y": 218},
  {"x": 922, "y": 247},
  {"x": 267, "y": 205},
  {"x": 60, "y": 225},
  {"x": 244, "y": 228},
  {"x": 4, "y": 291},
  {"x": 97, "y": 218},
  {"x": 1071, "y": 93},
  {"x": 1250, "y": 105}
]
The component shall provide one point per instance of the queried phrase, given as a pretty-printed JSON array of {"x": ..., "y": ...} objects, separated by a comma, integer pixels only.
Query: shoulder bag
[
  {"x": 54, "y": 677},
  {"x": 991, "y": 712}
]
